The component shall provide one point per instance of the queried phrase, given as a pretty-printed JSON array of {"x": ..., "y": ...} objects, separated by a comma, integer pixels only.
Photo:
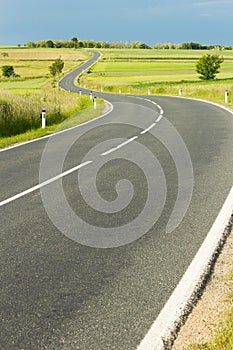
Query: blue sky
[{"x": 149, "y": 21}]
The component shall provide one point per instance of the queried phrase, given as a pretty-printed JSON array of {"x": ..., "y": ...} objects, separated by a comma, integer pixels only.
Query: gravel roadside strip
[{"x": 210, "y": 311}]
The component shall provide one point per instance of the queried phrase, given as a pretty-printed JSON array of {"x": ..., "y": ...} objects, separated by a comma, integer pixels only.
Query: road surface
[{"x": 57, "y": 293}]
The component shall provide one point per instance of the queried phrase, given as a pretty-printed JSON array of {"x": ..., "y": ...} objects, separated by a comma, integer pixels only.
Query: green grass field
[
  {"x": 155, "y": 54},
  {"x": 163, "y": 72}
]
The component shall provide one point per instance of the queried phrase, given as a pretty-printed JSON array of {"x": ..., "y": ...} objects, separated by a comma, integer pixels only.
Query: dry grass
[
  {"x": 19, "y": 114},
  {"x": 31, "y": 64}
]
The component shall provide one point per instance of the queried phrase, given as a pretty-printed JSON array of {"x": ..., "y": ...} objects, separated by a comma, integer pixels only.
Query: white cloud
[
  {"x": 218, "y": 9},
  {"x": 213, "y": 3}
]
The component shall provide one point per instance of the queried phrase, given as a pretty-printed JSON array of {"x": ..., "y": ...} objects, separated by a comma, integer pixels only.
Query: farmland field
[
  {"x": 162, "y": 72},
  {"x": 22, "y": 97},
  {"x": 32, "y": 65},
  {"x": 130, "y": 68},
  {"x": 155, "y": 54}
]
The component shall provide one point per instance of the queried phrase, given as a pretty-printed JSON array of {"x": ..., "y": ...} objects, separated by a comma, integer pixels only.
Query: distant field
[
  {"x": 32, "y": 65},
  {"x": 125, "y": 73},
  {"x": 134, "y": 54},
  {"x": 128, "y": 68},
  {"x": 161, "y": 72}
]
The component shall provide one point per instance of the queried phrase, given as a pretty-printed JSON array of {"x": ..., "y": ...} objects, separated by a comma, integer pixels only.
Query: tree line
[{"x": 78, "y": 44}]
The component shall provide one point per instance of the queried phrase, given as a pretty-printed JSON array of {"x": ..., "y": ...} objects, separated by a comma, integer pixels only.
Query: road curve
[{"x": 59, "y": 294}]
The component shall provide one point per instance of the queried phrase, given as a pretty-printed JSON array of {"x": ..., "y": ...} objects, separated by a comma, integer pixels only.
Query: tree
[
  {"x": 56, "y": 67},
  {"x": 144, "y": 46},
  {"x": 90, "y": 44},
  {"x": 5, "y": 54},
  {"x": 50, "y": 44},
  {"x": 186, "y": 46},
  {"x": 80, "y": 44},
  {"x": 31, "y": 44},
  {"x": 208, "y": 66},
  {"x": 8, "y": 71},
  {"x": 98, "y": 45},
  {"x": 75, "y": 41},
  {"x": 53, "y": 70}
]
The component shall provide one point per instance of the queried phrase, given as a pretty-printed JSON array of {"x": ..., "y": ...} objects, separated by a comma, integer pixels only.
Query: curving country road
[{"x": 64, "y": 283}]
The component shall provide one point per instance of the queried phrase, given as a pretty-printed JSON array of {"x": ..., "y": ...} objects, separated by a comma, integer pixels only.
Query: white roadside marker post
[
  {"x": 180, "y": 92},
  {"x": 94, "y": 101},
  {"x": 43, "y": 118},
  {"x": 226, "y": 96},
  {"x": 148, "y": 91}
]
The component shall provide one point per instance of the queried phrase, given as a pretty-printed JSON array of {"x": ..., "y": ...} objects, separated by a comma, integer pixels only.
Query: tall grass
[
  {"x": 19, "y": 114},
  {"x": 81, "y": 116},
  {"x": 23, "y": 98}
]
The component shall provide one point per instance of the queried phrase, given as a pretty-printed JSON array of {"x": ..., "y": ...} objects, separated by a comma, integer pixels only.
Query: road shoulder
[{"x": 210, "y": 312}]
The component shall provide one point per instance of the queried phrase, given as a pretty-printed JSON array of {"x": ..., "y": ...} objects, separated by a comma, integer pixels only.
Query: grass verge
[{"x": 76, "y": 119}]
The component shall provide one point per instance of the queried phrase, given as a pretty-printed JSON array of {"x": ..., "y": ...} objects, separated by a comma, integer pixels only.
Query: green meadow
[
  {"x": 155, "y": 71},
  {"x": 161, "y": 71},
  {"x": 155, "y": 54}
]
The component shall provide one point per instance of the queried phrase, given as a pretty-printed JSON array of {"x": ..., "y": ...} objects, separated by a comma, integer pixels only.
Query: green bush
[
  {"x": 208, "y": 66},
  {"x": 8, "y": 71}
]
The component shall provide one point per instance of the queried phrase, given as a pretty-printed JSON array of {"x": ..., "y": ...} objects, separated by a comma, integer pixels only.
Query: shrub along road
[{"x": 59, "y": 294}]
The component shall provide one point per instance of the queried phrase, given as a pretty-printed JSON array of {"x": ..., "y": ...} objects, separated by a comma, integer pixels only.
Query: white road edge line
[
  {"x": 164, "y": 325},
  {"x": 205, "y": 101},
  {"x": 45, "y": 183}
]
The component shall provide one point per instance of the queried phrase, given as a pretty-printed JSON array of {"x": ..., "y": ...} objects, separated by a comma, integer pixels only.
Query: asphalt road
[{"x": 59, "y": 294}]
